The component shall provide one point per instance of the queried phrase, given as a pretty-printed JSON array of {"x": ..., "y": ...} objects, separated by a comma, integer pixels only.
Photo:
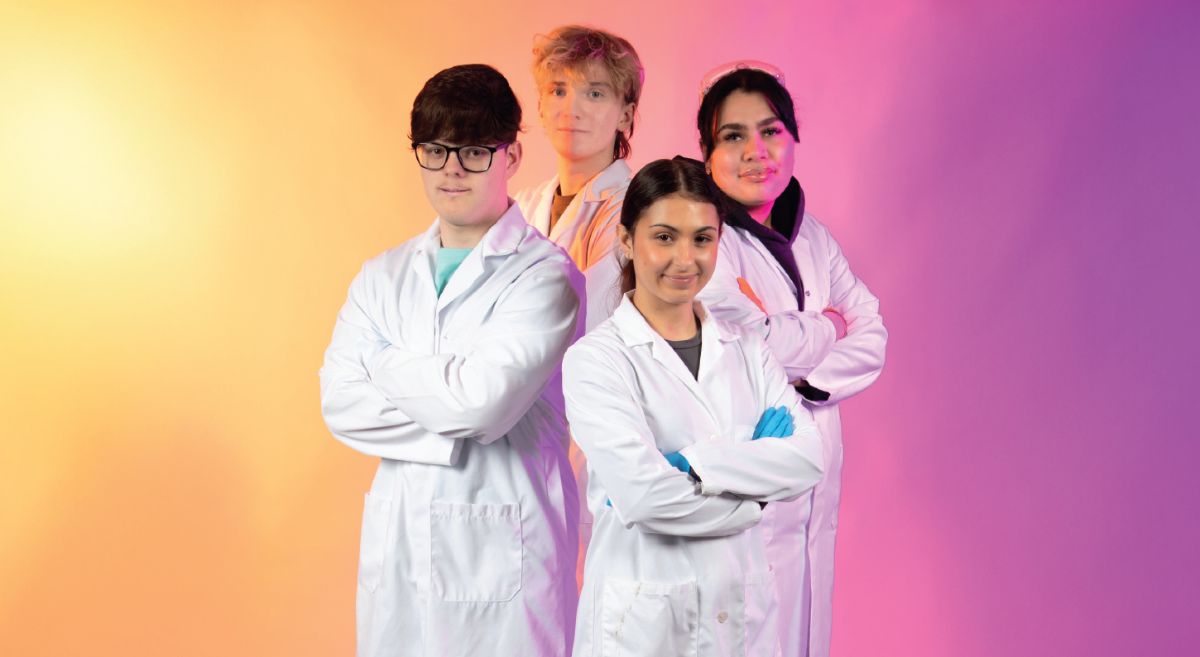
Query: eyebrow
[
  {"x": 741, "y": 126},
  {"x": 560, "y": 82},
  {"x": 676, "y": 230}
]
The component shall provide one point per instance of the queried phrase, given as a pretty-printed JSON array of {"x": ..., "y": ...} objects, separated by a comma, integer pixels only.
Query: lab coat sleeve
[
  {"x": 603, "y": 289},
  {"x": 767, "y": 469},
  {"x": 857, "y": 359},
  {"x": 608, "y": 425},
  {"x": 478, "y": 391},
  {"x": 799, "y": 339},
  {"x": 355, "y": 411}
]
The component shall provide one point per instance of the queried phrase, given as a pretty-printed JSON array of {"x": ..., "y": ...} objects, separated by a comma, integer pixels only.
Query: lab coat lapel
[
  {"x": 637, "y": 331},
  {"x": 805, "y": 262},
  {"x": 540, "y": 214},
  {"x": 596, "y": 191},
  {"x": 565, "y": 222},
  {"x": 501, "y": 239},
  {"x": 462, "y": 279},
  {"x": 712, "y": 344},
  {"x": 419, "y": 305}
]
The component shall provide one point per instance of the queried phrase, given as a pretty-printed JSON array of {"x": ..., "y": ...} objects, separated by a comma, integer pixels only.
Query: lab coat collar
[
  {"x": 502, "y": 238},
  {"x": 605, "y": 183},
  {"x": 635, "y": 330},
  {"x": 786, "y": 216},
  {"x": 600, "y": 187}
]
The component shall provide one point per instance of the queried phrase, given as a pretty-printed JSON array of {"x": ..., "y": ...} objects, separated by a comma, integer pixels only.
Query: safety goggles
[{"x": 721, "y": 71}]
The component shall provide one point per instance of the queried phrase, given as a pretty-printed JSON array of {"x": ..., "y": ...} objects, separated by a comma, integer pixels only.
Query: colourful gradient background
[{"x": 187, "y": 189}]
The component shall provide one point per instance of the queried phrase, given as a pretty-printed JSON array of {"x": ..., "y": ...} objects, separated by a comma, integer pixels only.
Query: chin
[
  {"x": 677, "y": 298},
  {"x": 581, "y": 152}
]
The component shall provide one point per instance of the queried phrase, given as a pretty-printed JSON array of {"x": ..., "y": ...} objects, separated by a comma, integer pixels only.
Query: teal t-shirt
[{"x": 448, "y": 261}]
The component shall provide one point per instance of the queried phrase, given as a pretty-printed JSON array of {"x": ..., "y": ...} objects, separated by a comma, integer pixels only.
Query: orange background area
[{"x": 186, "y": 191}]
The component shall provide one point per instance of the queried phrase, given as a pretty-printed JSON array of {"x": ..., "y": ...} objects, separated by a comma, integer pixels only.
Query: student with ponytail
[{"x": 690, "y": 429}]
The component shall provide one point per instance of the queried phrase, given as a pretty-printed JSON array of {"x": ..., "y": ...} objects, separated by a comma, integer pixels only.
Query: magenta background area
[{"x": 1021, "y": 480}]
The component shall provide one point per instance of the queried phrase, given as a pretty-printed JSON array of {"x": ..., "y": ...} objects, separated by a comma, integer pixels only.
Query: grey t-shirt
[{"x": 689, "y": 352}]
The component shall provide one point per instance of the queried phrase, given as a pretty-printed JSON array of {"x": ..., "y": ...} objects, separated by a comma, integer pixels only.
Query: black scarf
[{"x": 786, "y": 216}]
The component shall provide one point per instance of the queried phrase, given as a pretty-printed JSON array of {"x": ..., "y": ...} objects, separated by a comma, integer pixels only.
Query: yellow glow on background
[{"x": 186, "y": 190}]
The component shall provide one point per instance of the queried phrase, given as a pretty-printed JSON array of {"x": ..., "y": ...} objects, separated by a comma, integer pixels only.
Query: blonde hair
[{"x": 576, "y": 46}]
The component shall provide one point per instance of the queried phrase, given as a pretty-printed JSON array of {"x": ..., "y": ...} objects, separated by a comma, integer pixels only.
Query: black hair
[
  {"x": 467, "y": 104},
  {"x": 748, "y": 80},
  {"x": 661, "y": 178}
]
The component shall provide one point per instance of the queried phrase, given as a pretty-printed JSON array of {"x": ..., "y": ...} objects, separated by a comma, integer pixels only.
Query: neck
[
  {"x": 574, "y": 174},
  {"x": 761, "y": 213},
  {"x": 671, "y": 321},
  {"x": 457, "y": 237}
]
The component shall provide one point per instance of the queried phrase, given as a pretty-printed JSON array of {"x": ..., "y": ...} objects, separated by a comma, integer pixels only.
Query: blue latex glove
[
  {"x": 776, "y": 422},
  {"x": 678, "y": 462},
  {"x": 767, "y": 418}
]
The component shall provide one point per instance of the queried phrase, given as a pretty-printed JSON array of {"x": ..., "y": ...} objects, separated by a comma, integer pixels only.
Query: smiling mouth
[
  {"x": 453, "y": 190},
  {"x": 758, "y": 175},
  {"x": 681, "y": 281}
]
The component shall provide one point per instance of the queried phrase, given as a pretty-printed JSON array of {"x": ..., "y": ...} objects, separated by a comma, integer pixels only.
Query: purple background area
[{"x": 1020, "y": 480}]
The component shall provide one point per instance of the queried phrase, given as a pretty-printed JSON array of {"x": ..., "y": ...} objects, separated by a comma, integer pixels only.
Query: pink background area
[{"x": 186, "y": 191}]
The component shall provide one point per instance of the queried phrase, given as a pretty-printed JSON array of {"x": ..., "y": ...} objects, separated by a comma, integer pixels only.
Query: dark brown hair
[
  {"x": 750, "y": 81},
  {"x": 468, "y": 104}
]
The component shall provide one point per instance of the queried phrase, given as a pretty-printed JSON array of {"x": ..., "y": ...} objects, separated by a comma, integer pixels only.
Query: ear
[
  {"x": 626, "y": 120},
  {"x": 512, "y": 159},
  {"x": 626, "y": 240}
]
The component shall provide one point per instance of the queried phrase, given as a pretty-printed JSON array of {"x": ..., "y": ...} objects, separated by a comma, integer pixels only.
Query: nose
[
  {"x": 454, "y": 166},
  {"x": 569, "y": 104},
  {"x": 756, "y": 147},
  {"x": 684, "y": 256}
]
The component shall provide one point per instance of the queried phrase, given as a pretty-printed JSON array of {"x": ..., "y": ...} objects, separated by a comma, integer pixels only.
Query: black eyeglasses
[{"x": 475, "y": 159}]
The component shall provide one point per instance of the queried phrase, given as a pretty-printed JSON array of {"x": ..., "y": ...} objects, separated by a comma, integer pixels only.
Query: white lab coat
[
  {"x": 801, "y": 533},
  {"x": 674, "y": 567},
  {"x": 587, "y": 231},
  {"x": 469, "y": 532}
]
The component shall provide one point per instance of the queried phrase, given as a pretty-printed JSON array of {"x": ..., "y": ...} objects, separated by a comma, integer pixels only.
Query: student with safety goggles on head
[{"x": 782, "y": 275}]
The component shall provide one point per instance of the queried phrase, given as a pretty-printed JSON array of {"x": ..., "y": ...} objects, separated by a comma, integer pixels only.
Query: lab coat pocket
[
  {"x": 476, "y": 551},
  {"x": 373, "y": 543},
  {"x": 648, "y": 618},
  {"x": 759, "y": 616}
]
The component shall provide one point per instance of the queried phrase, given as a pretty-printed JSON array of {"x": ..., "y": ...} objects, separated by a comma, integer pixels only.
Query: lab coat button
[
  {"x": 808, "y": 293},
  {"x": 722, "y": 617}
]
